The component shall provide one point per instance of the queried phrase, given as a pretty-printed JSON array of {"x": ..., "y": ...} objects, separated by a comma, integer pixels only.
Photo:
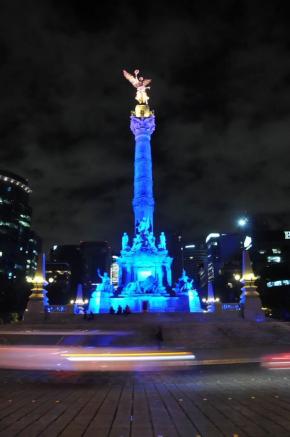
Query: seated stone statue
[{"x": 149, "y": 285}]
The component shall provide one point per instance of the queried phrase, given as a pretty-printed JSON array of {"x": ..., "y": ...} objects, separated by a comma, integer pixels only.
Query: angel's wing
[
  {"x": 146, "y": 82},
  {"x": 134, "y": 81}
]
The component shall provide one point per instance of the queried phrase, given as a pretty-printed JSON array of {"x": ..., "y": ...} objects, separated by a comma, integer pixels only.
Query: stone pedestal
[
  {"x": 35, "y": 310},
  {"x": 251, "y": 309}
]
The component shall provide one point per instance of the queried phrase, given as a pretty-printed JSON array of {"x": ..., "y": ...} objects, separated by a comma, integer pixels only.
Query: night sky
[{"x": 220, "y": 90}]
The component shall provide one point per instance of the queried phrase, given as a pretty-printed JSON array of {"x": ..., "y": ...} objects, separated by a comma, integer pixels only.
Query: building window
[
  {"x": 274, "y": 259},
  {"x": 278, "y": 283},
  {"x": 276, "y": 250}
]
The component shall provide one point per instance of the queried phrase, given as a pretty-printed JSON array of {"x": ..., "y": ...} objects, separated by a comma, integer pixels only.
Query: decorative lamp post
[
  {"x": 38, "y": 301},
  {"x": 250, "y": 301}
]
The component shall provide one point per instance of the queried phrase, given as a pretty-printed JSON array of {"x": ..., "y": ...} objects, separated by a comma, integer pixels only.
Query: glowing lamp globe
[{"x": 242, "y": 221}]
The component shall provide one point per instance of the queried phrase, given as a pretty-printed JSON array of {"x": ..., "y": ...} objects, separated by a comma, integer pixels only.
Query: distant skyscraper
[
  {"x": 194, "y": 261},
  {"x": 270, "y": 253},
  {"x": 223, "y": 263},
  {"x": 70, "y": 255},
  {"x": 19, "y": 245},
  {"x": 59, "y": 283},
  {"x": 83, "y": 261}
]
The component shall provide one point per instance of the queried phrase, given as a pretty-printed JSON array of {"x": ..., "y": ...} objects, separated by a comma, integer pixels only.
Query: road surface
[{"x": 208, "y": 401}]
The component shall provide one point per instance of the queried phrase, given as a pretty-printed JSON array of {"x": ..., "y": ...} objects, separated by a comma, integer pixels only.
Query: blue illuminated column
[{"x": 143, "y": 202}]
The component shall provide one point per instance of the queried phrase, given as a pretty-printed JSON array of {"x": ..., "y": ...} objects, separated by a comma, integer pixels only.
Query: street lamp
[{"x": 242, "y": 222}]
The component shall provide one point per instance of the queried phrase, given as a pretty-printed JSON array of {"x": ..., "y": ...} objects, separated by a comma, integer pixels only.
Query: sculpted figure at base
[
  {"x": 149, "y": 285},
  {"x": 184, "y": 283},
  {"x": 137, "y": 242},
  {"x": 105, "y": 277},
  {"x": 162, "y": 241},
  {"x": 106, "y": 285},
  {"x": 132, "y": 288},
  {"x": 151, "y": 240},
  {"x": 144, "y": 225},
  {"x": 125, "y": 241}
]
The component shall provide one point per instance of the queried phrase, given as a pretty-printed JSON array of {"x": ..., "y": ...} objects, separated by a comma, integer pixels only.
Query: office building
[
  {"x": 58, "y": 276},
  {"x": 19, "y": 245}
]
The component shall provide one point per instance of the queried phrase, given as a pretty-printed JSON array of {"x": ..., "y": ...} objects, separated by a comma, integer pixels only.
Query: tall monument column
[{"x": 143, "y": 125}]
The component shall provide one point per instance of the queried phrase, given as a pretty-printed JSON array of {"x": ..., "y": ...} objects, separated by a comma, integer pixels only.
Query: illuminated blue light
[
  {"x": 94, "y": 302},
  {"x": 143, "y": 274},
  {"x": 231, "y": 307},
  {"x": 194, "y": 302}
]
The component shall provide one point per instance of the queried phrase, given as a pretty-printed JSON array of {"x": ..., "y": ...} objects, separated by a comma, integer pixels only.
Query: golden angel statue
[{"x": 141, "y": 84}]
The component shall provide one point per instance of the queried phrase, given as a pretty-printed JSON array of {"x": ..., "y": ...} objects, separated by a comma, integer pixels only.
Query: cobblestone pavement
[{"x": 240, "y": 400}]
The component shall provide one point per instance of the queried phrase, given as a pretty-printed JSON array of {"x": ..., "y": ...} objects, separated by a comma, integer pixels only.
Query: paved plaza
[{"x": 238, "y": 400}]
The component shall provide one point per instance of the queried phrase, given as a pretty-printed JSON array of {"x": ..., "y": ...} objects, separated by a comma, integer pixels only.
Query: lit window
[
  {"x": 9, "y": 225},
  {"x": 278, "y": 283},
  {"x": 23, "y": 223},
  {"x": 276, "y": 250},
  {"x": 262, "y": 252},
  {"x": 274, "y": 259},
  {"x": 212, "y": 235},
  {"x": 1, "y": 253}
]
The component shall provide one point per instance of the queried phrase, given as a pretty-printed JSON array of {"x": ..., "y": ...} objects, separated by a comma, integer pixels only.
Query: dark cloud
[{"x": 220, "y": 90}]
